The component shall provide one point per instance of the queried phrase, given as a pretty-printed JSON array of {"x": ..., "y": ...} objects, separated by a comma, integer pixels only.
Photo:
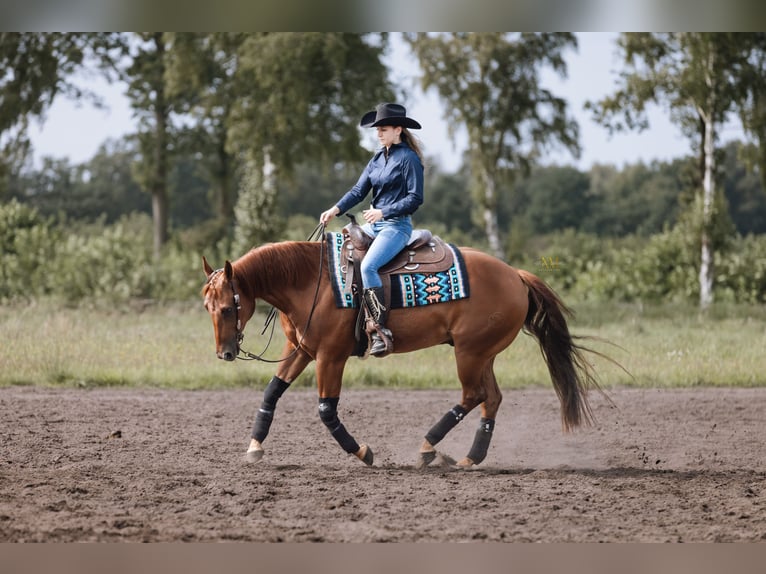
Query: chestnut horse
[{"x": 293, "y": 277}]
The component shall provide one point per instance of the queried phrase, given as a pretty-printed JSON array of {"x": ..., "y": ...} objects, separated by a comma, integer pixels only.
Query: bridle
[{"x": 317, "y": 234}]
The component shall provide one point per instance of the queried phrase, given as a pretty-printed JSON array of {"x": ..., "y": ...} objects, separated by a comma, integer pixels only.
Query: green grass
[{"x": 173, "y": 347}]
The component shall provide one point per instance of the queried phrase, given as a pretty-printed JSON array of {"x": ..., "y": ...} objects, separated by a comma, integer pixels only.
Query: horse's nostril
[{"x": 228, "y": 356}]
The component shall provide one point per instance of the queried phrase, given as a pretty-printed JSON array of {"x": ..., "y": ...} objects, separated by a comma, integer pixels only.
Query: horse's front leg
[
  {"x": 329, "y": 380},
  {"x": 287, "y": 372}
]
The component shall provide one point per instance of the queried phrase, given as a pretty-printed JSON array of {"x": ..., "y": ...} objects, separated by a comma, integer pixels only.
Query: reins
[{"x": 317, "y": 234}]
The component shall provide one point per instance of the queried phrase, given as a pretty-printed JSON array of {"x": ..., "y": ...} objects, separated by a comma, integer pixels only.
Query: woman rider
[{"x": 395, "y": 176}]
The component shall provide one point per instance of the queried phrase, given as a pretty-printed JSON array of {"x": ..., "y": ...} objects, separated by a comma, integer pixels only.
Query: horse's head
[{"x": 227, "y": 309}]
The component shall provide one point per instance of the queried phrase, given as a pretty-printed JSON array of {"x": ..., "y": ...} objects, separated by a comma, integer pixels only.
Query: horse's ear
[
  {"x": 227, "y": 269},
  {"x": 206, "y": 266}
]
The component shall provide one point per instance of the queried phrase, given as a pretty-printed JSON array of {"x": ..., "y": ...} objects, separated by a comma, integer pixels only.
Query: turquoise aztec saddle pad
[{"x": 407, "y": 289}]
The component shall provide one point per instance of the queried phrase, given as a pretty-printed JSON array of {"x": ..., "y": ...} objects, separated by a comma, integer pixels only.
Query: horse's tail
[{"x": 571, "y": 374}]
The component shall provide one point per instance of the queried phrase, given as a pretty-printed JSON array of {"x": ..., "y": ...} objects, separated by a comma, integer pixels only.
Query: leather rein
[{"x": 317, "y": 234}]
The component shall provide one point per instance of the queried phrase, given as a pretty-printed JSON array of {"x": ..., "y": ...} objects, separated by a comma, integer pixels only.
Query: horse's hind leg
[
  {"x": 489, "y": 409},
  {"x": 438, "y": 432},
  {"x": 287, "y": 372},
  {"x": 479, "y": 386}
]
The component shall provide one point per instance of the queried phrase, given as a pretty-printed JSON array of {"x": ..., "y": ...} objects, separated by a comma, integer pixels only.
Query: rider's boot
[{"x": 377, "y": 312}]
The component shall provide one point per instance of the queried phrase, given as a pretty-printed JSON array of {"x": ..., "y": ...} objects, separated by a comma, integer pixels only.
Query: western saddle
[{"x": 425, "y": 253}]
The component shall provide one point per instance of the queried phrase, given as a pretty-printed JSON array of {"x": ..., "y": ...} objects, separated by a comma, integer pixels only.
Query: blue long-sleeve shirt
[{"x": 396, "y": 183}]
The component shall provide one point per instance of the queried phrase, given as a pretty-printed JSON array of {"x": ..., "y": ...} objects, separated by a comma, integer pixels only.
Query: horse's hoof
[
  {"x": 466, "y": 463},
  {"x": 365, "y": 454},
  {"x": 253, "y": 456},
  {"x": 425, "y": 459}
]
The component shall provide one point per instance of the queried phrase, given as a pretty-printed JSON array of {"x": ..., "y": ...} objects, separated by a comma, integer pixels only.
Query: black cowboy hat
[{"x": 388, "y": 115}]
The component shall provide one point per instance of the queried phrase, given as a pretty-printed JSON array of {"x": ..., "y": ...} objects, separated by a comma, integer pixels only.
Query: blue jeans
[{"x": 391, "y": 236}]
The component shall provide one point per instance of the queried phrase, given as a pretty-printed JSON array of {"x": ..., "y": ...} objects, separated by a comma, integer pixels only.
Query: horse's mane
[{"x": 273, "y": 266}]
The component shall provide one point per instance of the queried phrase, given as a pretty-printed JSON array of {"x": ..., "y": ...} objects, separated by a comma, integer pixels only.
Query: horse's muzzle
[{"x": 226, "y": 355}]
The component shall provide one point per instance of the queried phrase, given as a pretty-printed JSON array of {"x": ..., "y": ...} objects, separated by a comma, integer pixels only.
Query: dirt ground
[{"x": 151, "y": 465}]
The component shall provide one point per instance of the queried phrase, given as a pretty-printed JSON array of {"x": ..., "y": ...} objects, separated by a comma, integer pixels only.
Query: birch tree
[
  {"x": 491, "y": 85},
  {"x": 693, "y": 75},
  {"x": 299, "y": 96}
]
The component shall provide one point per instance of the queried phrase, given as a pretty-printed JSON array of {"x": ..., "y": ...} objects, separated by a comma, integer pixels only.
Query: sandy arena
[{"x": 149, "y": 465}]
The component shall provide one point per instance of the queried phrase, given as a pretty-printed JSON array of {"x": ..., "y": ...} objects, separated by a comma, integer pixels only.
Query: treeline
[
  {"x": 83, "y": 233},
  {"x": 607, "y": 201}
]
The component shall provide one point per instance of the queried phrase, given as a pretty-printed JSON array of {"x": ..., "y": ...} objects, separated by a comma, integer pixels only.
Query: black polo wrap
[
  {"x": 328, "y": 412},
  {"x": 265, "y": 415},
  {"x": 446, "y": 424},
  {"x": 481, "y": 440}
]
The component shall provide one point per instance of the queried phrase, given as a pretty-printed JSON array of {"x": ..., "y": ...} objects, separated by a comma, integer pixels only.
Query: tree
[
  {"x": 200, "y": 72},
  {"x": 638, "y": 199},
  {"x": 299, "y": 96},
  {"x": 491, "y": 85},
  {"x": 447, "y": 202},
  {"x": 752, "y": 98},
  {"x": 744, "y": 192},
  {"x": 37, "y": 67},
  {"x": 271, "y": 102},
  {"x": 147, "y": 89},
  {"x": 100, "y": 189},
  {"x": 556, "y": 198},
  {"x": 313, "y": 186},
  {"x": 695, "y": 75},
  {"x": 256, "y": 209}
]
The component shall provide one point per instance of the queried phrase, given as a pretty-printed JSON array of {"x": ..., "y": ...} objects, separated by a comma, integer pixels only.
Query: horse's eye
[{"x": 226, "y": 311}]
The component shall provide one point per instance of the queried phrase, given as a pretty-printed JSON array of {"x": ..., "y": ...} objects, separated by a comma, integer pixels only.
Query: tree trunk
[
  {"x": 159, "y": 181},
  {"x": 708, "y": 195},
  {"x": 489, "y": 215},
  {"x": 159, "y": 188},
  {"x": 222, "y": 180},
  {"x": 255, "y": 215},
  {"x": 269, "y": 175},
  {"x": 160, "y": 219},
  {"x": 708, "y": 192}
]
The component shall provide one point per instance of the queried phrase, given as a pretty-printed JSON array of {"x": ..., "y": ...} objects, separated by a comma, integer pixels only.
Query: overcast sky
[{"x": 76, "y": 131}]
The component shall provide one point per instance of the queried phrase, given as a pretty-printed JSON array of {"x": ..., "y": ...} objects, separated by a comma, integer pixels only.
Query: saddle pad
[{"x": 407, "y": 289}]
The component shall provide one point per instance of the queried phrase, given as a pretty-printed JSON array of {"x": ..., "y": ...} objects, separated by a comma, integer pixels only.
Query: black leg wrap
[
  {"x": 481, "y": 441},
  {"x": 328, "y": 412},
  {"x": 265, "y": 414},
  {"x": 446, "y": 424}
]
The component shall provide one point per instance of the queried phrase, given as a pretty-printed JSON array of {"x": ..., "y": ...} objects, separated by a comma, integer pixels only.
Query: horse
[{"x": 292, "y": 276}]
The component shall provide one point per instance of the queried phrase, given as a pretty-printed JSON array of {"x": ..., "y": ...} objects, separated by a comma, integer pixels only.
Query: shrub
[
  {"x": 76, "y": 264},
  {"x": 28, "y": 245},
  {"x": 740, "y": 274}
]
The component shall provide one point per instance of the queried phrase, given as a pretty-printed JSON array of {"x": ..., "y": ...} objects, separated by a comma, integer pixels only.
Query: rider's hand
[
  {"x": 329, "y": 214},
  {"x": 372, "y": 215}
]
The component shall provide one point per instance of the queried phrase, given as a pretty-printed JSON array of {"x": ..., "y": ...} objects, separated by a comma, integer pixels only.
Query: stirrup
[{"x": 382, "y": 342}]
